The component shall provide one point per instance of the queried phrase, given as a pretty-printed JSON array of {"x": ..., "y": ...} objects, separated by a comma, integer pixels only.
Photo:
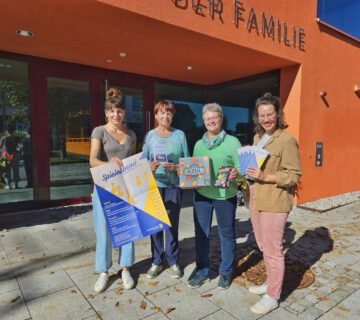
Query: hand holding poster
[{"x": 130, "y": 200}]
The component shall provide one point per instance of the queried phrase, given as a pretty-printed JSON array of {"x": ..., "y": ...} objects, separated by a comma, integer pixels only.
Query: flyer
[
  {"x": 159, "y": 152},
  {"x": 130, "y": 200},
  {"x": 251, "y": 156}
]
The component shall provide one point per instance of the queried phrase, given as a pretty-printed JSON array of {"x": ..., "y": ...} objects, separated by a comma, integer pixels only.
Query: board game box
[{"x": 194, "y": 172}]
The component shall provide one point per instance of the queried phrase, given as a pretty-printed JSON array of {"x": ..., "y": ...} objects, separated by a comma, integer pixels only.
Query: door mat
[{"x": 297, "y": 276}]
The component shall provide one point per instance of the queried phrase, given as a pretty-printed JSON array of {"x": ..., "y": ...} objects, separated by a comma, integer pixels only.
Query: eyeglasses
[
  {"x": 211, "y": 119},
  {"x": 267, "y": 116}
]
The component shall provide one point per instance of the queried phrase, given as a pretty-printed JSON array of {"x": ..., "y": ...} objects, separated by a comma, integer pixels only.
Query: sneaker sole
[
  {"x": 129, "y": 287},
  {"x": 199, "y": 285},
  {"x": 223, "y": 288},
  {"x": 262, "y": 313},
  {"x": 260, "y": 293}
]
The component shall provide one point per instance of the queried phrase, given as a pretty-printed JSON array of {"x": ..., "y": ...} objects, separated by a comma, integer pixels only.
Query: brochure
[
  {"x": 159, "y": 152},
  {"x": 251, "y": 156}
]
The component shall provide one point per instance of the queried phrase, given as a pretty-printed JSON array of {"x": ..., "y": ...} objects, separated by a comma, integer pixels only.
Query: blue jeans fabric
[
  {"x": 225, "y": 215},
  {"x": 103, "y": 241},
  {"x": 172, "y": 201}
]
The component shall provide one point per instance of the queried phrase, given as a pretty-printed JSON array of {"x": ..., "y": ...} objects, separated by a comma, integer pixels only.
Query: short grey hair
[{"x": 213, "y": 107}]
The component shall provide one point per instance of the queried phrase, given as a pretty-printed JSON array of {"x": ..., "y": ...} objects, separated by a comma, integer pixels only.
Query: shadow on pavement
[
  {"x": 302, "y": 255},
  {"x": 44, "y": 216}
]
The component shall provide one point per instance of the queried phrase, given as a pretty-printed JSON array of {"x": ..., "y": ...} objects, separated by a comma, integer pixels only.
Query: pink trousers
[{"x": 269, "y": 233}]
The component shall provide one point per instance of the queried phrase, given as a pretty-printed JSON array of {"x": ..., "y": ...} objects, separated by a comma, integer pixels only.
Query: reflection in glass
[
  {"x": 238, "y": 99},
  {"x": 188, "y": 102},
  {"x": 15, "y": 143},
  {"x": 343, "y": 15},
  {"x": 69, "y": 132}
]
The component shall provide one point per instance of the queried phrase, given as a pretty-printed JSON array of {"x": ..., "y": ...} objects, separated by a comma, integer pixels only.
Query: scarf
[{"x": 214, "y": 141}]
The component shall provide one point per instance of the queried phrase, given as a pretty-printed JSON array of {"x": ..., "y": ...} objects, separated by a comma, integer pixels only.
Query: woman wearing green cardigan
[{"x": 221, "y": 149}]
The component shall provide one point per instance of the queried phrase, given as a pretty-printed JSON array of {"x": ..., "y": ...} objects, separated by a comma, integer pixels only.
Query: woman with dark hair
[
  {"x": 111, "y": 142},
  {"x": 271, "y": 195},
  {"x": 163, "y": 147}
]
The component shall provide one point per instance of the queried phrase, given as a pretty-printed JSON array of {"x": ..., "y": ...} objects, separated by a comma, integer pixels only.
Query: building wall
[
  {"x": 328, "y": 62},
  {"x": 319, "y": 60}
]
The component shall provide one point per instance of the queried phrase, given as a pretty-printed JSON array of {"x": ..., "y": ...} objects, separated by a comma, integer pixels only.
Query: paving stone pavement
[{"x": 47, "y": 270}]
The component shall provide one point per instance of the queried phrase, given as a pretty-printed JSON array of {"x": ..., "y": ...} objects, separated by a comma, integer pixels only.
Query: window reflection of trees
[
  {"x": 186, "y": 120},
  {"x": 69, "y": 117},
  {"x": 14, "y": 103}
]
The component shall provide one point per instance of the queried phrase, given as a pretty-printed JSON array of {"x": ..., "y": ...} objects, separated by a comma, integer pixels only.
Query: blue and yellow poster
[{"x": 130, "y": 199}]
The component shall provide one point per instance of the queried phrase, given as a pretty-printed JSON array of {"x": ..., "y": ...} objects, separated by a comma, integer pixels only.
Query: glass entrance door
[
  {"x": 69, "y": 143},
  {"x": 16, "y": 170}
]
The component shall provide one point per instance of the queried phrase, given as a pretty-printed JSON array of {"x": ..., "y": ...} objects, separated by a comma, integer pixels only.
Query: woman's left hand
[
  {"x": 117, "y": 161},
  {"x": 233, "y": 174},
  {"x": 170, "y": 166},
  {"x": 256, "y": 173}
]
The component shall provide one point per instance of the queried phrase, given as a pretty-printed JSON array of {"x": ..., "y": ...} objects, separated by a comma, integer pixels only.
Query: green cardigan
[{"x": 223, "y": 155}]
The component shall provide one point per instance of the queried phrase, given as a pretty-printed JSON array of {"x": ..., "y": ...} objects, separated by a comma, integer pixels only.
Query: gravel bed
[{"x": 325, "y": 204}]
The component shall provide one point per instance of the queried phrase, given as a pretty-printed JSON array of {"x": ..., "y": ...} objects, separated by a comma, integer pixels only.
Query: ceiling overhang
[{"x": 97, "y": 34}]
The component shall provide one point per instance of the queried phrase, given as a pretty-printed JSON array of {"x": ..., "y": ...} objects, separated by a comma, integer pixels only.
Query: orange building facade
[{"x": 191, "y": 52}]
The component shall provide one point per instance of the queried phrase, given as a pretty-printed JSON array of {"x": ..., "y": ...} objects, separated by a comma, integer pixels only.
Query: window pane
[
  {"x": 188, "y": 102},
  {"x": 16, "y": 177},
  {"x": 342, "y": 14},
  {"x": 238, "y": 101},
  {"x": 69, "y": 132}
]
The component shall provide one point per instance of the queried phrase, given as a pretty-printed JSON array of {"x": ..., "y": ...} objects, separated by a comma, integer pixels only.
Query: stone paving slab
[
  {"x": 3, "y": 259},
  {"x": 236, "y": 301},
  {"x": 347, "y": 309},
  {"x": 157, "y": 316},
  {"x": 67, "y": 304},
  {"x": 182, "y": 303},
  {"x": 327, "y": 242},
  {"x": 76, "y": 261},
  {"x": 43, "y": 282},
  {"x": 279, "y": 314},
  {"x": 149, "y": 286},
  {"x": 118, "y": 304},
  {"x": 221, "y": 314},
  {"x": 12, "y": 306},
  {"x": 8, "y": 281}
]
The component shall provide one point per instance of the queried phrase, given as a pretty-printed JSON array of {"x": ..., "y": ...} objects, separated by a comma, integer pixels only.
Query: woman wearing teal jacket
[
  {"x": 163, "y": 147},
  {"x": 221, "y": 149}
]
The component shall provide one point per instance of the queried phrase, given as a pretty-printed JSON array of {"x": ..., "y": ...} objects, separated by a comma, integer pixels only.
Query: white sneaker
[
  {"x": 175, "y": 271},
  {"x": 102, "y": 282},
  {"x": 261, "y": 289},
  {"x": 265, "y": 305},
  {"x": 127, "y": 279}
]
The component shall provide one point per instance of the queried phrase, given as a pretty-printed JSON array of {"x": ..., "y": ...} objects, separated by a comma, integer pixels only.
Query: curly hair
[
  {"x": 114, "y": 97},
  {"x": 268, "y": 99}
]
